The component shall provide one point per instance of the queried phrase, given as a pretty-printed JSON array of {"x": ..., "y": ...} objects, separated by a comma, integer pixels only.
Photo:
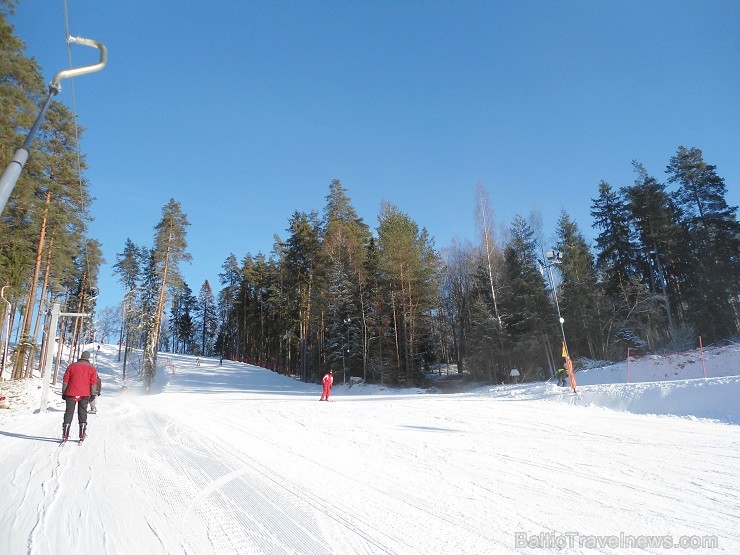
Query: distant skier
[
  {"x": 561, "y": 376},
  {"x": 79, "y": 382},
  {"x": 92, "y": 409},
  {"x": 327, "y": 381}
]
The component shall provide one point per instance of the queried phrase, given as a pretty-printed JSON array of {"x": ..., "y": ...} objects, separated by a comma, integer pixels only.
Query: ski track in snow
[
  {"x": 257, "y": 466},
  {"x": 243, "y": 514}
]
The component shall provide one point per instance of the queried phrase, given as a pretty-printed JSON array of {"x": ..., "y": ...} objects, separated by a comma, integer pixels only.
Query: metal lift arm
[{"x": 14, "y": 168}]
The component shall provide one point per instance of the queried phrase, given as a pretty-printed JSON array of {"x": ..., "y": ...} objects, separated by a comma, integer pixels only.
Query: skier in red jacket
[
  {"x": 327, "y": 382},
  {"x": 79, "y": 382}
]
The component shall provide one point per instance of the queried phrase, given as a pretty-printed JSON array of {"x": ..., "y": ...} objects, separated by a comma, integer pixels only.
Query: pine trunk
[{"x": 25, "y": 347}]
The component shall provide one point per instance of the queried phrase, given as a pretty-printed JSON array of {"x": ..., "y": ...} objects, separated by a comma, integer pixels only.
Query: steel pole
[
  {"x": 6, "y": 329},
  {"x": 49, "y": 359}
]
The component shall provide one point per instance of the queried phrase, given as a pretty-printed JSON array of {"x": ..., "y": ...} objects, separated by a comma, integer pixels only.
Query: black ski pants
[{"x": 69, "y": 412}]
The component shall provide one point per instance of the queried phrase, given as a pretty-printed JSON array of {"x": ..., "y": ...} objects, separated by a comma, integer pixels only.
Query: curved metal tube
[
  {"x": 75, "y": 71},
  {"x": 13, "y": 170}
]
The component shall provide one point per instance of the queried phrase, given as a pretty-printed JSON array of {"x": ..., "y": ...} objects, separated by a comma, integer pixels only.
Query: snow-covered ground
[{"x": 236, "y": 459}]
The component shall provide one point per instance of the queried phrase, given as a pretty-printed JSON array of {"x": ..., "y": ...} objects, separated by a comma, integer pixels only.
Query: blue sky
[{"x": 244, "y": 111}]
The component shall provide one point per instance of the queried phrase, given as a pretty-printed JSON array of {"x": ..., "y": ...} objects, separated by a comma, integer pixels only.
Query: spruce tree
[
  {"x": 528, "y": 314},
  {"x": 304, "y": 267},
  {"x": 344, "y": 241},
  {"x": 579, "y": 293},
  {"x": 129, "y": 268},
  {"x": 376, "y": 317},
  {"x": 617, "y": 252},
  {"x": 482, "y": 339},
  {"x": 129, "y": 264},
  {"x": 208, "y": 318}
]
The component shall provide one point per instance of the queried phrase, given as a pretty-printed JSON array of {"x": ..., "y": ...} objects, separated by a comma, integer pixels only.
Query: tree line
[
  {"x": 383, "y": 304},
  {"x": 45, "y": 249},
  {"x": 386, "y": 306}
]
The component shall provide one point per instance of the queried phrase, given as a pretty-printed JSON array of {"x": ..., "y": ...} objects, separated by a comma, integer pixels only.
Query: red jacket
[
  {"x": 79, "y": 378},
  {"x": 328, "y": 380}
]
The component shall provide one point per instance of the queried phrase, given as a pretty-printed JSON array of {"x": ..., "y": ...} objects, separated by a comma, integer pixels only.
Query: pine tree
[
  {"x": 229, "y": 278},
  {"x": 169, "y": 250},
  {"x": 83, "y": 292},
  {"x": 42, "y": 228},
  {"x": 21, "y": 88},
  {"x": 713, "y": 280},
  {"x": 58, "y": 203},
  {"x": 664, "y": 256},
  {"x": 409, "y": 266},
  {"x": 263, "y": 329}
]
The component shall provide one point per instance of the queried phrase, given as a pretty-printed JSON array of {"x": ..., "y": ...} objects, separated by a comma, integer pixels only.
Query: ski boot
[
  {"x": 83, "y": 429},
  {"x": 65, "y": 432}
]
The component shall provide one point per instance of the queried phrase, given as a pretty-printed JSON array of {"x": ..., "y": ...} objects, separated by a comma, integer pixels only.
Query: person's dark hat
[{"x": 86, "y": 355}]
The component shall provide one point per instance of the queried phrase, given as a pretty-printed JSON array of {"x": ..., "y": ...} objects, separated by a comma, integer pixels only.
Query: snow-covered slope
[
  {"x": 238, "y": 459},
  {"x": 664, "y": 385}
]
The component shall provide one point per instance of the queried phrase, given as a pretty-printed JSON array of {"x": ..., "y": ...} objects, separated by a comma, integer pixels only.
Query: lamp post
[{"x": 555, "y": 257}]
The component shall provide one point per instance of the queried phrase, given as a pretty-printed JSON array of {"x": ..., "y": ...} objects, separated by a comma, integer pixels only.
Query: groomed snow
[{"x": 238, "y": 459}]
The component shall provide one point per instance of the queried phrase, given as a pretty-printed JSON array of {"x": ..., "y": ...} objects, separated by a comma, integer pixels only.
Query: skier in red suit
[
  {"x": 79, "y": 382},
  {"x": 327, "y": 381}
]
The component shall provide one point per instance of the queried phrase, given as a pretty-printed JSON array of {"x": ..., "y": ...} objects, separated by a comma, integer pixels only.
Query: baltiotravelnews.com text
[{"x": 569, "y": 540}]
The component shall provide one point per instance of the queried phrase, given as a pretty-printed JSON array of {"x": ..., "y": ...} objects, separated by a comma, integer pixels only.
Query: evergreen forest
[{"x": 382, "y": 303}]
